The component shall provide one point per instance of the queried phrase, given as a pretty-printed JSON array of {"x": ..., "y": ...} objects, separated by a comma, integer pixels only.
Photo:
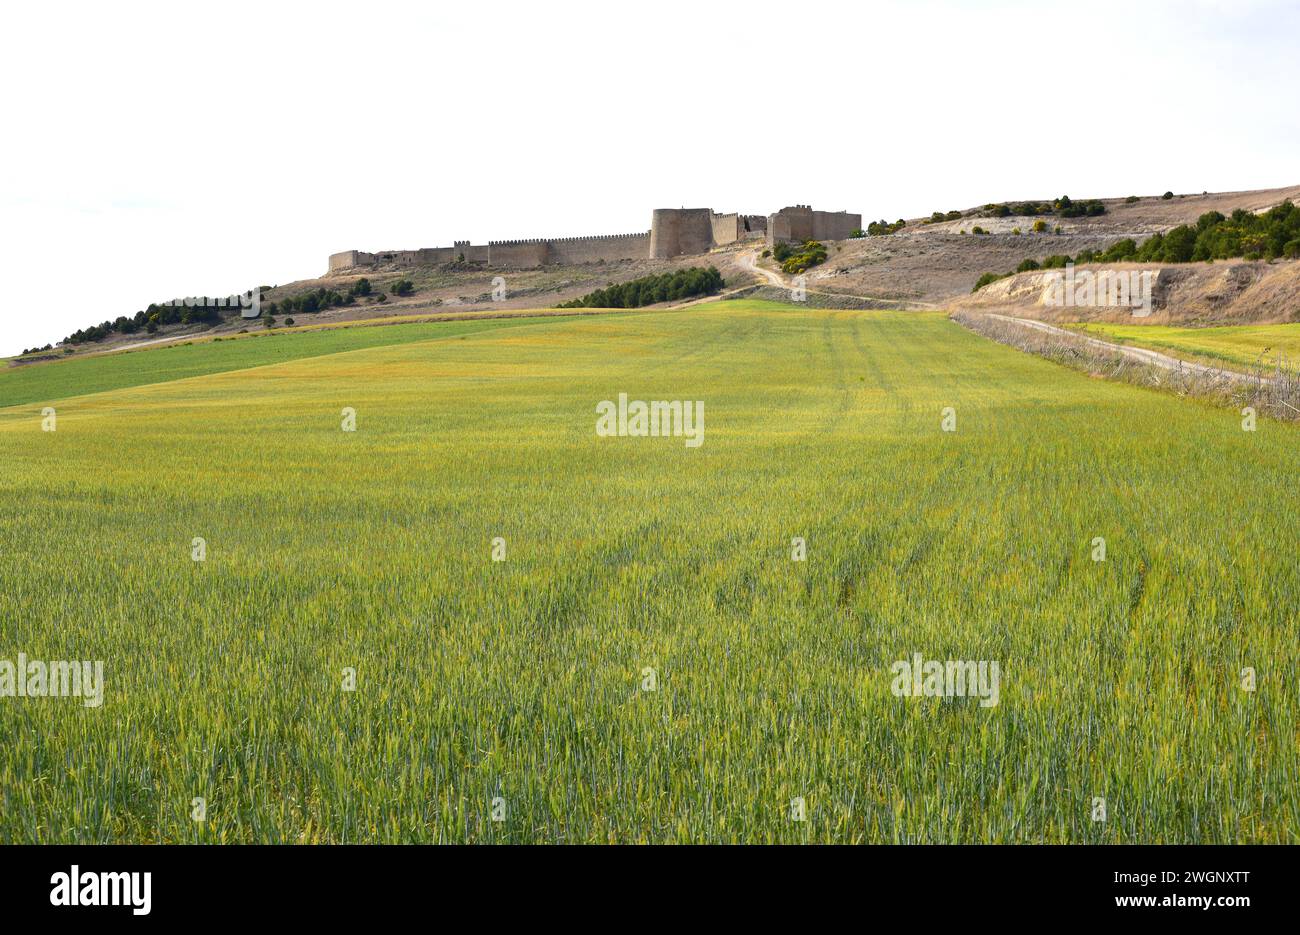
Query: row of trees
[
  {"x": 1214, "y": 236},
  {"x": 1062, "y": 207},
  {"x": 665, "y": 287},
  {"x": 199, "y": 311},
  {"x": 206, "y": 312},
  {"x": 882, "y": 227},
  {"x": 1267, "y": 236}
]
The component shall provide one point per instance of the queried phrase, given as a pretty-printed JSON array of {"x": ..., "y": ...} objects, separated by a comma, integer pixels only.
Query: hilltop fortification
[{"x": 673, "y": 232}]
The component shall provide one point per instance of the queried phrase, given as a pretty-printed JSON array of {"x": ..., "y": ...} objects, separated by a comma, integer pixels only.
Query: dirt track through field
[{"x": 1155, "y": 358}]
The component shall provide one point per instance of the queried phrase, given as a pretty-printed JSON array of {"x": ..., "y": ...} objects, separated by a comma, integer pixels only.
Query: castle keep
[{"x": 673, "y": 232}]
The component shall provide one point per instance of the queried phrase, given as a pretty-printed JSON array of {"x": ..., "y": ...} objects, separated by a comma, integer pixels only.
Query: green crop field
[
  {"x": 1237, "y": 346},
  {"x": 78, "y": 376},
  {"x": 648, "y": 662}
]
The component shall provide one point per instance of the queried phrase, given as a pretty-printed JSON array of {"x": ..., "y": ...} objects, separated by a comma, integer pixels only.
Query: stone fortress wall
[
  {"x": 801, "y": 222},
  {"x": 673, "y": 232}
]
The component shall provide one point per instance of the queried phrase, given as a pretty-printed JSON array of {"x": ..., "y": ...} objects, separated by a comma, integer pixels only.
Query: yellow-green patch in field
[{"x": 1237, "y": 346}]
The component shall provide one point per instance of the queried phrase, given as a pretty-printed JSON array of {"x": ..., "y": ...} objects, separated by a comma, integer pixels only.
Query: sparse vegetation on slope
[{"x": 1269, "y": 236}]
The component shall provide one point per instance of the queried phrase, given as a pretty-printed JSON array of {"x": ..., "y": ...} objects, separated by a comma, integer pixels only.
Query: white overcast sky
[{"x": 152, "y": 151}]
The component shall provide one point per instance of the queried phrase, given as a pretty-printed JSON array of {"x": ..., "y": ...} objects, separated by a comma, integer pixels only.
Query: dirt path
[
  {"x": 750, "y": 262},
  {"x": 1155, "y": 358}
]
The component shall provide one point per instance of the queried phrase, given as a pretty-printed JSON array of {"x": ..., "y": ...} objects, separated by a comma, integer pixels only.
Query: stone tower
[{"x": 680, "y": 231}]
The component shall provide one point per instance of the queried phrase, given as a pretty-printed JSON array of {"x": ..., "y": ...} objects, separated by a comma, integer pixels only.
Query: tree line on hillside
[
  {"x": 664, "y": 287},
  {"x": 1268, "y": 236},
  {"x": 1063, "y": 207},
  {"x": 199, "y": 311},
  {"x": 203, "y": 311},
  {"x": 883, "y": 228}
]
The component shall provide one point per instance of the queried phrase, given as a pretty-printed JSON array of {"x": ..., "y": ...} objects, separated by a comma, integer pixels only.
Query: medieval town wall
[{"x": 673, "y": 232}]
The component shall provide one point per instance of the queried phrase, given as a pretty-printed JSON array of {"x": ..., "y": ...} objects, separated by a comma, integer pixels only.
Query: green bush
[
  {"x": 882, "y": 227},
  {"x": 988, "y": 278},
  {"x": 809, "y": 254},
  {"x": 648, "y": 290}
]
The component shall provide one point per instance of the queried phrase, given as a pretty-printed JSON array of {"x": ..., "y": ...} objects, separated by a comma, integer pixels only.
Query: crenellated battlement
[
  {"x": 595, "y": 238},
  {"x": 673, "y": 232}
]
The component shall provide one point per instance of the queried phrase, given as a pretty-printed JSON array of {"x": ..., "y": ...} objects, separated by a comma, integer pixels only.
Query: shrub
[
  {"x": 987, "y": 278},
  {"x": 1027, "y": 266},
  {"x": 809, "y": 254},
  {"x": 1167, "y": 195},
  {"x": 288, "y": 322},
  {"x": 1132, "y": 199},
  {"x": 402, "y": 287},
  {"x": 1125, "y": 249},
  {"x": 1040, "y": 226},
  {"x": 883, "y": 227}
]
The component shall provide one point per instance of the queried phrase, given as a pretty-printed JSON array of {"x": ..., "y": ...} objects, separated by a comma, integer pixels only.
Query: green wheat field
[
  {"x": 1236, "y": 346},
  {"x": 516, "y": 689}
]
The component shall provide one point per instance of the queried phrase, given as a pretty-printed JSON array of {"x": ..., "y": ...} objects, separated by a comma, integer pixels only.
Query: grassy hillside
[
  {"x": 1236, "y": 345},
  {"x": 77, "y": 376},
  {"x": 524, "y": 680}
]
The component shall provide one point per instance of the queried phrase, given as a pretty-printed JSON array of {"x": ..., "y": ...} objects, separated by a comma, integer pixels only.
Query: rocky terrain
[
  {"x": 1220, "y": 293},
  {"x": 937, "y": 263}
]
